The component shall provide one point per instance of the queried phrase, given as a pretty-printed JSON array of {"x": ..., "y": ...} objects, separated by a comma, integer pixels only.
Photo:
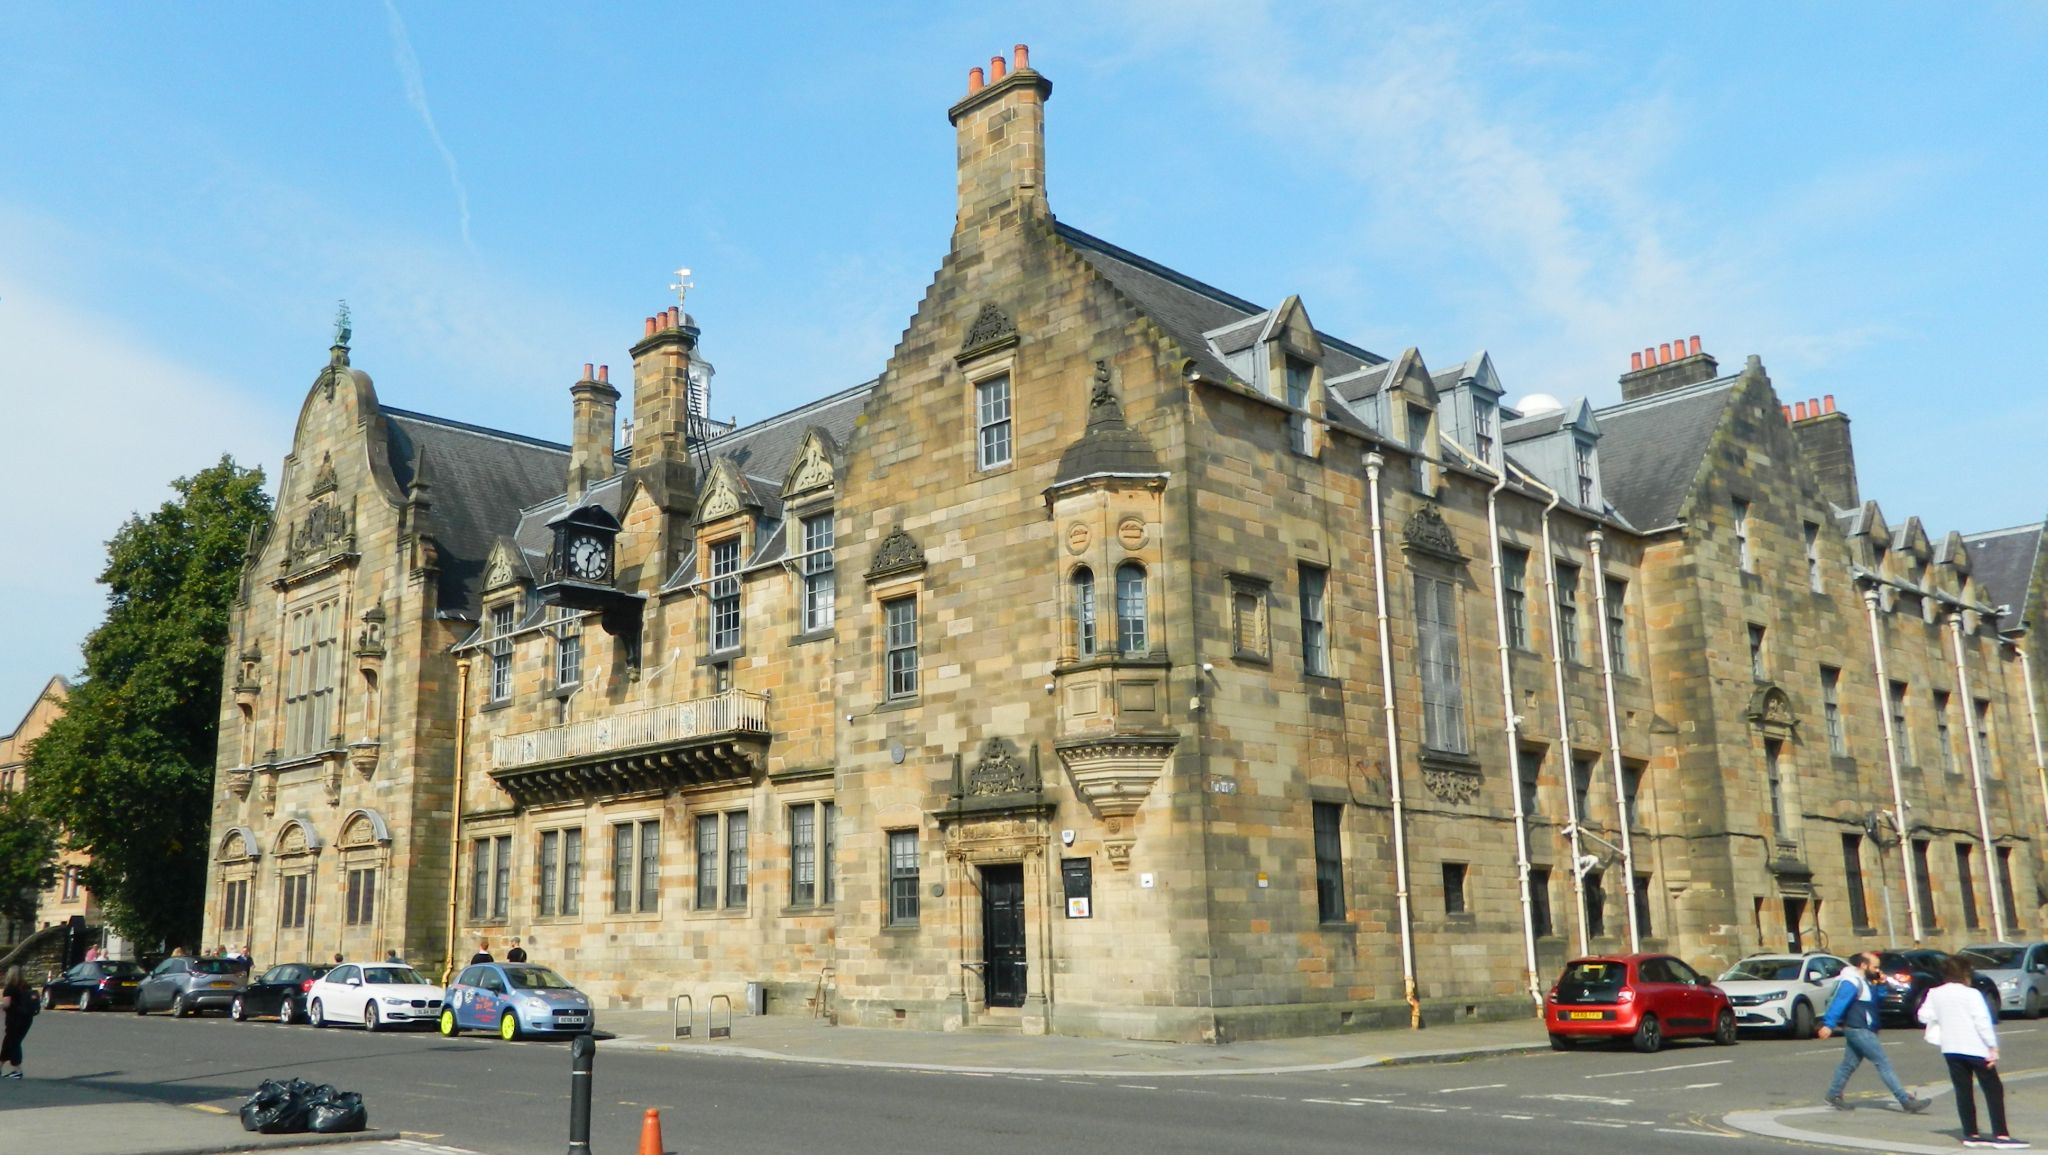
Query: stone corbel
[
  {"x": 330, "y": 777},
  {"x": 1114, "y": 774},
  {"x": 238, "y": 780},
  {"x": 267, "y": 793},
  {"x": 362, "y": 757}
]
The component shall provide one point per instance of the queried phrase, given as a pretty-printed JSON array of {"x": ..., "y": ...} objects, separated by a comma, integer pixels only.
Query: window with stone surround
[
  {"x": 2005, "y": 888},
  {"x": 1582, "y": 462},
  {"x": 234, "y": 900},
  {"x": 501, "y": 652},
  {"x": 490, "y": 878},
  {"x": 1632, "y": 793},
  {"x": 1831, "y": 714},
  {"x": 1417, "y": 445},
  {"x": 1443, "y": 694},
  {"x": 992, "y": 421},
  {"x": 707, "y": 862},
  {"x": 723, "y": 863},
  {"x": 293, "y": 891},
  {"x": 1529, "y": 769},
  {"x": 1454, "y": 889},
  {"x": 903, "y": 878},
  {"x": 1966, "y": 882},
  {"x": 1568, "y": 612},
  {"x": 561, "y": 872},
  {"x": 1923, "y": 882},
  {"x": 1617, "y": 624},
  {"x": 1482, "y": 429},
  {"x": 1774, "y": 786},
  {"x": 1757, "y": 665},
  {"x": 1982, "y": 734},
  {"x": 360, "y": 904},
  {"x": 820, "y": 575},
  {"x": 1081, "y": 593},
  {"x": 1596, "y": 904},
  {"x": 568, "y": 646},
  {"x": 1514, "y": 580},
  {"x": 1643, "y": 928},
  {"x": 636, "y": 866},
  {"x": 1328, "y": 819},
  {"x": 1315, "y": 625},
  {"x": 1902, "y": 737},
  {"x": 1299, "y": 374},
  {"x": 312, "y": 664},
  {"x": 811, "y": 838},
  {"x": 1852, "y": 874},
  {"x": 1582, "y": 786},
  {"x": 725, "y": 595},
  {"x": 1745, "y": 556},
  {"x": 1540, "y": 921},
  {"x": 1133, "y": 614},
  {"x": 1944, "y": 744},
  {"x": 899, "y": 642},
  {"x": 736, "y": 873}
]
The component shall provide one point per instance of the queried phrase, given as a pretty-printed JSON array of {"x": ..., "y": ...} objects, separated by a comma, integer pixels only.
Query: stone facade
[
  {"x": 65, "y": 897},
  {"x": 1126, "y": 659}
]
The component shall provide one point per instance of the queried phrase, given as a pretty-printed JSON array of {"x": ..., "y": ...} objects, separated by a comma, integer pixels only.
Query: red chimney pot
[
  {"x": 1829, "y": 401},
  {"x": 1800, "y": 410},
  {"x": 604, "y": 372},
  {"x": 650, "y": 327},
  {"x": 996, "y": 67},
  {"x": 1678, "y": 349},
  {"x": 1663, "y": 352},
  {"x": 1788, "y": 413},
  {"x": 1635, "y": 362},
  {"x": 1023, "y": 57},
  {"x": 587, "y": 367},
  {"x": 1695, "y": 344},
  {"x": 974, "y": 80}
]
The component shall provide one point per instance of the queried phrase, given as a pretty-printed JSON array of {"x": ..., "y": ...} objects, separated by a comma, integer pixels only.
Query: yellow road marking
[{"x": 208, "y": 1108}]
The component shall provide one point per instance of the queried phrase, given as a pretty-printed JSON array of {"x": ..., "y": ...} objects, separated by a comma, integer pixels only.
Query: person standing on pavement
[
  {"x": 1959, "y": 1022},
  {"x": 18, "y": 1007},
  {"x": 1853, "y": 1011},
  {"x": 483, "y": 952},
  {"x": 517, "y": 954}
]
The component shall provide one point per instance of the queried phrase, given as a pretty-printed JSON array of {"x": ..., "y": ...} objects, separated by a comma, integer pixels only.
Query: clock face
[{"x": 588, "y": 560}]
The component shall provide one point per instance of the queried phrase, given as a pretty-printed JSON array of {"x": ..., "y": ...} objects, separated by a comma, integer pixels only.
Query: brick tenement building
[{"x": 1127, "y": 658}]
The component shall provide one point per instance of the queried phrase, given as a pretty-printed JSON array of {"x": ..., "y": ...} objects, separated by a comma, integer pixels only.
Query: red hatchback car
[{"x": 1645, "y": 998}]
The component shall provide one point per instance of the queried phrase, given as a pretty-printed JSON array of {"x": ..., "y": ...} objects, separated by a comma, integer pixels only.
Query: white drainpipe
[
  {"x": 1891, "y": 751},
  {"x": 2019, "y": 645},
  {"x": 1594, "y": 540},
  {"x": 1955, "y": 631},
  {"x": 1373, "y": 464},
  {"x": 1564, "y": 714}
]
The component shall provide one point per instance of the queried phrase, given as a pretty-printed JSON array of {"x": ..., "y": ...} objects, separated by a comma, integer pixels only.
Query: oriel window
[{"x": 1081, "y": 590}]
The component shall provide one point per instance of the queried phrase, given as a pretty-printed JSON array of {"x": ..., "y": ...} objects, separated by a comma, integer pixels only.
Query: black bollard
[{"x": 582, "y": 1057}]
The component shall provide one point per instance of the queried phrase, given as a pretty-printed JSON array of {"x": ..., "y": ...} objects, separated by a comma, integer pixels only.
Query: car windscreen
[
  {"x": 1896, "y": 962},
  {"x": 214, "y": 966},
  {"x": 1994, "y": 957},
  {"x": 536, "y": 979},
  {"x": 393, "y": 976},
  {"x": 1762, "y": 970},
  {"x": 120, "y": 970},
  {"x": 1591, "y": 982}
]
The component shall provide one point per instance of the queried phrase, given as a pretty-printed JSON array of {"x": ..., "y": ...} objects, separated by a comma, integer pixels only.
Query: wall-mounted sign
[{"x": 1077, "y": 875}]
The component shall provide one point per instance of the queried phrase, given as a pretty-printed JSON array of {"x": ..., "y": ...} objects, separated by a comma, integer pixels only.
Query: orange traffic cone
[{"x": 650, "y": 1133}]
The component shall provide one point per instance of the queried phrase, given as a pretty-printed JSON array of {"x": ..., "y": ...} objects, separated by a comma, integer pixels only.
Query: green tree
[
  {"x": 28, "y": 856},
  {"x": 127, "y": 772}
]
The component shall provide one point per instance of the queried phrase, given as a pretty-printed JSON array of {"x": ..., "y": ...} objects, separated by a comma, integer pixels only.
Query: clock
[{"x": 587, "y": 559}]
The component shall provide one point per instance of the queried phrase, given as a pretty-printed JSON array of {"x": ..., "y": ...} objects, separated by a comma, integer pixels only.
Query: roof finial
[
  {"x": 342, "y": 332},
  {"x": 682, "y": 285}
]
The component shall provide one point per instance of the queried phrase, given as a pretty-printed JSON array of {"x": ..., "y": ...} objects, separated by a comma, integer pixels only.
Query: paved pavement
[
  {"x": 88, "y": 1115},
  {"x": 1876, "y": 1123}
]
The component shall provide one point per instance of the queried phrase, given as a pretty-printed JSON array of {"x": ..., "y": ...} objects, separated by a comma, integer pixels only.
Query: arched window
[
  {"x": 1083, "y": 583},
  {"x": 1130, "y": 608}
]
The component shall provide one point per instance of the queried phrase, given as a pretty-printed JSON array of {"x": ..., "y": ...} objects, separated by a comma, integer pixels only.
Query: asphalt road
[{"x": 490, "y": 1096}]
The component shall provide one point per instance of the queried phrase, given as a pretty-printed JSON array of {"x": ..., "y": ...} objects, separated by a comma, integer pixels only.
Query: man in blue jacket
[{"x": 1853, "y": 1011}]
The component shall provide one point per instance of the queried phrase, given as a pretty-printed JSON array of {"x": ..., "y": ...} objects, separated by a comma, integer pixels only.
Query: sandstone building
[
  {"x": 1127, "y": 658},
  {"x": 66, "y": 897}
]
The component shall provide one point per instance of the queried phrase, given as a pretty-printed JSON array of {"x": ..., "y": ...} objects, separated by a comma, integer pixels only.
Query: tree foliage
[
  {"x": 28, "y": 854},
  {"x": 127, "y": 772}
]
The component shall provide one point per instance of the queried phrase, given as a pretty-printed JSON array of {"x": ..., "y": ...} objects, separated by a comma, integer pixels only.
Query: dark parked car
[
  {"x": 279, "y": 991},
  {"x": 93, "y": 985},
  {"x": 1644, "y": 998},
  {"x": 1909, "y": 975},
  {"x": 183, "y": 985}
]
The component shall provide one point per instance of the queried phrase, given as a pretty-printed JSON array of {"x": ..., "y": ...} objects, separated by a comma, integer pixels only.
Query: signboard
[{"x": 1077, "y": 875}]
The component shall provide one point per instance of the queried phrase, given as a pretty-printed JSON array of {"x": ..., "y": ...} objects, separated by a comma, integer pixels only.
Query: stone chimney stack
[
  {"x": 1000, "y": 125},
  {"x": 594, "y": 422},
  {"x": 661, "y": 388},
  {"x": 1823, "y": 435},
  {"x": 1667, "y": 366}
]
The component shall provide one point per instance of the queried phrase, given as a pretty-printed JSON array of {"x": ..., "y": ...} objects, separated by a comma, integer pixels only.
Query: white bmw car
[
  {"x": 375, "y": 994},
  {"x": 1782, "y": 992}
]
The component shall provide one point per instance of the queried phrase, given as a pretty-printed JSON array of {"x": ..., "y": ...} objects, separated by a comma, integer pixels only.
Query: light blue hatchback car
[{"x": 514, "y": 999}]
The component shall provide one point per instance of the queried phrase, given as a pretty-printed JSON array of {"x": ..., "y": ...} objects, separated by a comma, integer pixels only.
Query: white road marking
[
  {"x": 1274, "y": 1098},
  {"x": 1136, "y": 1087},
  {"x": 1698, "y": 1086},
  {"x": 1660, "y": 1070},
  {"x": 1585, "y": 1099},
  {"x": 1406, "y": 1107},
  {"x": 1362, "y": 1099},
  {"x": 1596, "y": 1123},
  {"x": 1474, "y": 1087},
  {"x": 1333, "y": 1102},
  {"x": 1522, "y": 1117},
  {"x": 1702, "y": 1134}
]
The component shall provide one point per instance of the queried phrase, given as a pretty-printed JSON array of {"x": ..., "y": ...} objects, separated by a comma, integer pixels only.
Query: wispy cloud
[{"x": 408, "y": 64}]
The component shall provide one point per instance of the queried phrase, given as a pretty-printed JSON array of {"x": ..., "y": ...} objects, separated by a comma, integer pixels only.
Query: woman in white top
[{"x": 1959, "y": 1022}]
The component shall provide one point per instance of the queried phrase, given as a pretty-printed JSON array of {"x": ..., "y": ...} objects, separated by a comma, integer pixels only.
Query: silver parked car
[
  {"x": 184, "y": 986},
  {"x": 2019, "y": 969}
]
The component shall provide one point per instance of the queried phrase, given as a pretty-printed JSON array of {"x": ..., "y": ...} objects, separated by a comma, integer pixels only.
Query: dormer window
[
  {"x": 1582, "y": 461},
  {"x": 1418, "y": 448},
  {"x": 820, "y": 577},
  {"x": 1482, "y": 429},
  {"x": 725, "y": 595},
  {"x": 1299, "y": 374},
  {"x": 501, "y": 652}
]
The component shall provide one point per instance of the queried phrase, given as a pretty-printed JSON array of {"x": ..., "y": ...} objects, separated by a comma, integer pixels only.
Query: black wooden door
[{"x": 1002, "y": 934}]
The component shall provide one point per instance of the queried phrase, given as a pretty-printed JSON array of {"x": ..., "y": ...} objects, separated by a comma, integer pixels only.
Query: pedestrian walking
[
  {"x": 1959, "y": 1022},
  {"x": 517, "y": 953},
  {"x": 18, "y": 1007},
  {"x": 1853, "y": 1011},
  {"x": 483, "y": 952},
  {"x": 391, "y": 956}
]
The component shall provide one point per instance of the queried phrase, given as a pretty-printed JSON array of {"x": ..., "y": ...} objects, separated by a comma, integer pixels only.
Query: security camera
[
  {"x": 1587, "y": 862},
  {"x": 1049, "y": 687}
]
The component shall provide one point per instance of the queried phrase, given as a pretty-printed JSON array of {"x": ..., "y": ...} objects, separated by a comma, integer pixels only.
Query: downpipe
[
  {"x": 1374, "y": 463},
  {"x": 1995, "y": 898},
  {"x": 1594, "y": 541},
  {"x": 1564, "y": 714},
  {"x": 1891, "y": 751},
  {"x": 455, "y": 827}
]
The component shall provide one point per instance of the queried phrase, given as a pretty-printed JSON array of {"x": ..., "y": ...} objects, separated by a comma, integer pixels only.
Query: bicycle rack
[
  {"x": 713, "y": 1030},
  {"x": 685, "y": 1020}
]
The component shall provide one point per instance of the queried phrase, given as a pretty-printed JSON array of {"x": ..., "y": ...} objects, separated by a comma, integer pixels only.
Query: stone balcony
[{"x": 701, "y": 742}]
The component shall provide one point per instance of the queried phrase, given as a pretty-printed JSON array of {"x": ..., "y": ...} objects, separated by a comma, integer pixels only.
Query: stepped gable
[
  {"x": 478, "y": 480},
  {"x": 2002, "y": 562},
  {"x": 1651, "y": 449}
]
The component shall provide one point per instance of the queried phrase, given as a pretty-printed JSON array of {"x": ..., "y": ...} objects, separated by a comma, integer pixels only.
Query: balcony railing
[{"x": 733, "y": 712}]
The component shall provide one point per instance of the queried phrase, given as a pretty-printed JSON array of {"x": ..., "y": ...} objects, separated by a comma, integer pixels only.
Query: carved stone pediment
[
  {"x": 721, "y": 499},
  {"x": 1427, "y": 532},
  {"x": 998, "y": 771},
  {"x": 1770, "y": 710},
  {"x": 1114, "y": 774},
  {"x": 812, "y": 469},
  {"x": 992, "y": 329},
  {"x": 326, "y": 531},
  {"x": 898, "y": 553}
]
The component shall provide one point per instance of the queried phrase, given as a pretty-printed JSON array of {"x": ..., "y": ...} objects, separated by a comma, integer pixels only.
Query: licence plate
[
  {"x": 568, "y": 1018},
  {"x": 127, "y": 984},
  {"x": 221, "y": 986},
  {"x": 1581, "y": 1016}
]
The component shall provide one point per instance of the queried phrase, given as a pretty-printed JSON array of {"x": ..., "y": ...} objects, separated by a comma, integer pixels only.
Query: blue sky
[{"x": 500, "y": 191}]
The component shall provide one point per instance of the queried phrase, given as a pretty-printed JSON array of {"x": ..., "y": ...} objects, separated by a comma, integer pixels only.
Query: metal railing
[{"x": 734, "y": 711}]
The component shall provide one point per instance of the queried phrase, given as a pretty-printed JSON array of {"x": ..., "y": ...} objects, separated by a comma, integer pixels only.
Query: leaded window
[
  {"x": 294, "y": 891},
  {"x": 1568, "y": 611},
  {"x": 1831, "y": 714},
  {"x": 1617, "y": 623},
  {"x": 803, "y": 854},
  {"x": 568, "y": 647},
  {"x": 360, "y": 907},
  {"x": 1081, "y": 589},
  {"x": 312, "y": 663},
  {"x": 501, "y": 652},
  {"x": 707, "y": 861},
  {"x": 622, "y": 868},
  {"x": 736, "y": 873}
]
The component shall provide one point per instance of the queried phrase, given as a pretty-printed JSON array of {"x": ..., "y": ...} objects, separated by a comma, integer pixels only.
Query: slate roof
[
  {"x": 1522, "y": 429},
  {"x": 2002, "y": 562},
  {"x": 477, "y": 480},
  {"x": 1650, "y": 450},
  {"x": 1187, "y": 308}
]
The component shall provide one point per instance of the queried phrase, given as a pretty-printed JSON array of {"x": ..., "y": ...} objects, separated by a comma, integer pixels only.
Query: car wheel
[
  {"x": 508, "y": 1027},
  {"x": 85, "y": 1000},
  {"x": 2033, "y": 1003},
  {"x": 449, "y": 1027},
  {"x": 284, "y": 1011},
  {"x": 314, "y": 1015},
  {"x": 1562, "y": 1042},
  {"x": 370, "y": 1020},
  {"x": 180, "y": 1008},
  {"x": 1802, "y": 1020},
  {"x": 1724, "y": 1029},
  {"x": 238, "y": 1010},
  {"x": 141, "y": 1008},
  {"x": 1649, "y": 1036}
]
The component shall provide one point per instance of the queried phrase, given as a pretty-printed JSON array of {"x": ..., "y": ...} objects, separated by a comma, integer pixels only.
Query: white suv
[{"x": 1782, "y": 992}]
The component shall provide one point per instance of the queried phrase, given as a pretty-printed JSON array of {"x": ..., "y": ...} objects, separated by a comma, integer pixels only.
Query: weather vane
[
  {"x": 342, "y": 332},
  {"x": 682, "y": 286}
]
